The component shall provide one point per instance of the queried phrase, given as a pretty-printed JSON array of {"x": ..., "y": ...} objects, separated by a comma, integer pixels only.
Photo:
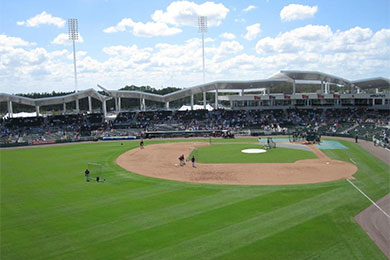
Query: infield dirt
[{"x": 161, "y": 161}]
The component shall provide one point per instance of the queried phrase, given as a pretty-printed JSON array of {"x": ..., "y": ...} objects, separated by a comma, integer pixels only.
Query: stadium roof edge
[
  {"x": 283, "y": 78},
  {"x": 377, "y": 82},
  {"x": 53, "y": 100},
  {"x": 315, "y": 75}
]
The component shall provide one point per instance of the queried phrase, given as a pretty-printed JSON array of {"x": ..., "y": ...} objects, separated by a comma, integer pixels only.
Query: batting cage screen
[{"x": 95, "y": 170}]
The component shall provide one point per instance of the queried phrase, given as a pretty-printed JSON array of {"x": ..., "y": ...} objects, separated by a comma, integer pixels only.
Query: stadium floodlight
[
  {"x": 74, "y": 36},
  {"x": 202, "y": 23}
]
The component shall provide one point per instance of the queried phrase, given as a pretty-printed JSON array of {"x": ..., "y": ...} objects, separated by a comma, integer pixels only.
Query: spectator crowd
[{"x": 363, "y": 122}]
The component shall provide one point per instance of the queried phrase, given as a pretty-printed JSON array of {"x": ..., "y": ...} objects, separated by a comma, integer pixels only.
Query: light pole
[
  {"x": 202, "y": 23},
  {"x": 74, "y": 36}
]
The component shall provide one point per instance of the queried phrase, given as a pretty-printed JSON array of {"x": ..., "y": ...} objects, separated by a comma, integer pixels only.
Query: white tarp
[
  {"x": 196, "y": 107},
  {"x": 253, "y": 151},
  {"x": 21, "y": 114}
]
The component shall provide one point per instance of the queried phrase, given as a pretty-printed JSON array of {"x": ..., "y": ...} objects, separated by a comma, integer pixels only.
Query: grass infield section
[
  {"x": 231, "y": 153},
  {"x": 48, "y": 211}
]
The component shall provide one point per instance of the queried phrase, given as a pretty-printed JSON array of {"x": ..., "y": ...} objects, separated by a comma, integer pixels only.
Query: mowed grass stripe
[
  {"x": 131, "y": 223},
  {"x": 136, "y": 223},
  {"x": 173, "y": 213},
  {"x": 299, "y": 237},
  {"x": 105, "y": 212},
  {"x": 175, "y": 232},
  {"x": 245, "y": 232},
  {"x": 76, "y": 207},
  {"x": 334, "y": 231},
  {"x": 80, "y": 221}
]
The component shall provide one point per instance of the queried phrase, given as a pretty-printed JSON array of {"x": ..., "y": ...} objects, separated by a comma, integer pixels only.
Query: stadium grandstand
[{"x": 278, "y": 105}]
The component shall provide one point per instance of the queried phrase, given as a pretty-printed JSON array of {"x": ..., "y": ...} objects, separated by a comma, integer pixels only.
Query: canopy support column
[
  {"x": 90, "y": 104},
  {"x": 116, "y": 103},
  {"x": 104, "y": 105},
  {"x": 142, "y": 104},
  {"x": 204, "y": 100},
  {"x": 216, "y": 99},
  {"x": 77, "y": 105},
  {"x": 10, "y": 110},
  {"x": 294, "y": 87}
]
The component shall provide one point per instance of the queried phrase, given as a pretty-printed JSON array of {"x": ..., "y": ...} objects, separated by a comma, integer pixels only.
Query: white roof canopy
[{"x": 284, "y": 78}]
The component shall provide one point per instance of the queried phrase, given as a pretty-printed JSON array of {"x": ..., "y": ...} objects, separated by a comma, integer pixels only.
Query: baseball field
[{"x": 49, "y": 211}]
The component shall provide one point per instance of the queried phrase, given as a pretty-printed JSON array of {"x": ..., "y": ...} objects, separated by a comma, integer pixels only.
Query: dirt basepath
[
  {"x": 161, "y": 161},
  {"x": 376, "y": 224}
]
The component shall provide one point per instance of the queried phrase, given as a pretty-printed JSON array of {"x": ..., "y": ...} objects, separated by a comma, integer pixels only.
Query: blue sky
[{"x": 157, "y": 43}]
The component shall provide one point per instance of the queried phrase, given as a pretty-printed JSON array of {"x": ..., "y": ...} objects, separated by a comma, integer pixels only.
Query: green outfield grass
[
  {"x": 231, "y": 153},
  {"x": 48, "y": 211}
]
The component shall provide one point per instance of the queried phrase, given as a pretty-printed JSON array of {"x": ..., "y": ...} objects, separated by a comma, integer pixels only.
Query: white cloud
[
  {"x": 63, "y": 39},
  {"x": 18, "y": 65},
  {"x": 43, "y": 18},
  {"x": 129, "y": 52},
  {"x": 148, "y": 29},
  {"x": 297, "y": 12},
  {"x": 239, "y": 20},
  {"x": 180, "y": 13},
  {"x": 79, "y": 55},
  {"x": 253, "y": 31},
  {"x": 317, "y": 38},
  {"x": 228, "y": 36},
  {"x": 353, "y": 54},
  {"x": 250, "y": 7},
  {"x": 186, "y": 13},
  {"x": 230, "y": 47},
  {"x": 121, "y": 26},
  {"x": 13, "y": 41}
]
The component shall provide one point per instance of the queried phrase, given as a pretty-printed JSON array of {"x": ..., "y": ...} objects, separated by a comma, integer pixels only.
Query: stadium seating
[{"x": 348, "y": 122}]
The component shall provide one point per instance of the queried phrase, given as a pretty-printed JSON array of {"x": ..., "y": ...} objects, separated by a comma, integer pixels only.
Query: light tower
[
  {"x": 74, "y": 36},
  {"x": 202, "y": 23}
]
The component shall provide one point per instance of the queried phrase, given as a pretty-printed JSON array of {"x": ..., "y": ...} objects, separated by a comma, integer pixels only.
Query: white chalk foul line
[
  {"x": 376, "y": 205},
  {"x": 352, "y": 161}
]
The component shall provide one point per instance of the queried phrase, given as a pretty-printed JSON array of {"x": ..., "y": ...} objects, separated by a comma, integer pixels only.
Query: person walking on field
[
  {"x": 141, "y": 144},
  {"x": 87, "y": 174},
  {"x": 181, "y": 159},
  {"x": 193, "y": 161}
]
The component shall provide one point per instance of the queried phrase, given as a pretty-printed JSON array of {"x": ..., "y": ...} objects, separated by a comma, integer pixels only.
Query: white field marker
[
  {"x": 352, "y": 161},
  {"x": 376, "y": 205}
]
